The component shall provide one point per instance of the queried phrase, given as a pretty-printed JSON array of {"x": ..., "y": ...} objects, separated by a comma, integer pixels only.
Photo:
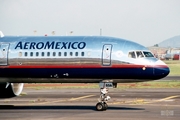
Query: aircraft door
[
  {"x": 106, "y": 55},
  {"x": 4, "y": 53}
]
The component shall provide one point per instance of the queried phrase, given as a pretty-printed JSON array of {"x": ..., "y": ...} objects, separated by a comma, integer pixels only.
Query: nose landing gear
[{"x": 102, "y": 104}]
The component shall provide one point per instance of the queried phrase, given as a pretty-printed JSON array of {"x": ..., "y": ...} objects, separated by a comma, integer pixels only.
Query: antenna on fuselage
[
  {"x": 35, "y": 31},
  {"x": 53, "y": 32},
  {"x": 1, "y": 34},
  {"x": 100, "y": 32}
]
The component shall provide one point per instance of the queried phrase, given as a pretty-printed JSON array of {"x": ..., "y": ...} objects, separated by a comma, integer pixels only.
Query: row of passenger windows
[
  {"x": 48, "y": 54},
  {"x": 140, "y": 54}
]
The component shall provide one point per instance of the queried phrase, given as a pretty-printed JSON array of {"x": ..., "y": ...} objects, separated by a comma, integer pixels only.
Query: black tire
[
  {"x": 100, "y": 106},
  {"x": 105, "y": 106}
]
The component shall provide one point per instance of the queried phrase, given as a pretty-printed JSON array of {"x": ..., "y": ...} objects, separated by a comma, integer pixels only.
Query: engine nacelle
[{"x": 8, "y": 90}]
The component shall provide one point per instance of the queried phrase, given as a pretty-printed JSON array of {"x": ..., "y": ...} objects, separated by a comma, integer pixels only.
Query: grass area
[
  {"x": 172, "y": 61},
  {"x": 150, "y": 84},
  {"x": 174, "y": 66},
  {"x": 40, "y": 86}
]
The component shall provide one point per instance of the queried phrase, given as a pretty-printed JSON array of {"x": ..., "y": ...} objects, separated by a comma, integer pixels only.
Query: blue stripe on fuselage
[{"x": 104, "y": 73}]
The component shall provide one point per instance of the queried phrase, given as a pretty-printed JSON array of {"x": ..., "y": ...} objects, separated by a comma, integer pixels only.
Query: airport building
[{"x": 165, "y": 53}]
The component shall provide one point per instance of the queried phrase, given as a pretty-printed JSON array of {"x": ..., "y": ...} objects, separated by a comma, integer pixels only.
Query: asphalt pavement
[{"x": 79, "y": 104}]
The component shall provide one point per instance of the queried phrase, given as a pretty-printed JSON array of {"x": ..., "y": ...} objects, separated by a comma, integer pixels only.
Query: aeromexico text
[{"x": 50, "y": 45}]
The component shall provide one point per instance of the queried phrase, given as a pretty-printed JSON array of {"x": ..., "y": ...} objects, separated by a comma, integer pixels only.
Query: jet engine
[{"x": 8, "y": 90}]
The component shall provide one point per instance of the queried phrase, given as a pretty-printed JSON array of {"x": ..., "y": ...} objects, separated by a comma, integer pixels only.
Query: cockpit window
[
  {"x": 132, "y": 54},
  {"x": 140, "y": 54},
  {"x": 148, "y": 54}
]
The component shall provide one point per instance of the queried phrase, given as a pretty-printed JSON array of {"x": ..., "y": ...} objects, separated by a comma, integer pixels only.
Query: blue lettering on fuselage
[{"x": 50, "y": 45}]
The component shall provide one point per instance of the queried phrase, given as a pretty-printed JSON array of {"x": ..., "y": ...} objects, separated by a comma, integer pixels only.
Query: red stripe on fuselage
[{"x": 84, "y": 66}]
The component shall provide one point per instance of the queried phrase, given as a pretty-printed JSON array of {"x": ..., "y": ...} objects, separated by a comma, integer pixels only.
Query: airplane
[{"x": 75, "y": 59}]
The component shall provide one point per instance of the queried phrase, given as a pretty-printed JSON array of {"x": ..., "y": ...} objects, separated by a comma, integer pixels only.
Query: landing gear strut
[{"x": 102, "y": 104}]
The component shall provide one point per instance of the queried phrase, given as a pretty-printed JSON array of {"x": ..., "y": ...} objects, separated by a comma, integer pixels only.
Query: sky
[{"x": 147, "y": 22}]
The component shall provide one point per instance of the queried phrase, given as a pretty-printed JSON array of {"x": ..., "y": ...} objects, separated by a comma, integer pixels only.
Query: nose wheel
[{"x": 100, "y": 106}]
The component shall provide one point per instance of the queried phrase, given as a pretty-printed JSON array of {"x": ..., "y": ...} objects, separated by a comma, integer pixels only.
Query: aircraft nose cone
[{"x": 161, "y": 70}]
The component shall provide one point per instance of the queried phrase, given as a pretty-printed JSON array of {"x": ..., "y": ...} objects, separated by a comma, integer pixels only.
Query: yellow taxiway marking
[
  {"x": 72, "y": 99},
  {"x": 164, "y": 99},
  {"x": 132, "y": 102},
  {"x": 167, "y": 98},
  {"x": 142, "y": 101},
  {"x": 36, "y": 102}
]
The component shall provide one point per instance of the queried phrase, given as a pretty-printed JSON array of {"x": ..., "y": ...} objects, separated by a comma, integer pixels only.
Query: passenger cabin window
[
  {"x": 65, "y": 53},
  {"x": 54, "y": 53},
  {"x": 76, "y": 53},
  {"x": 20, "y": 54},
  {"x": 31, "y": 54},
  {"x": 37, "y": 53},
  {"x": 82, "y": 53},
  {"x": 59, "y": 53},
  {"x": 25, "y": 54},
  {"x": 48, "y": 53},
  {"x": 42, "y": 54}
]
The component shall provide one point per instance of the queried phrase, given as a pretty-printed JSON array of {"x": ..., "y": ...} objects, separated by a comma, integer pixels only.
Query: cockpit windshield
[
  {"x": 140, "y": 54},
  {"x": 132, "y": 54},
  {"x": 148, "y": 54}
]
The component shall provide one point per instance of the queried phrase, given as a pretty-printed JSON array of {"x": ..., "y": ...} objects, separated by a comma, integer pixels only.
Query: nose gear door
[
  {"x": 106, "y": 55},
  {"x": 4, "y": 53}
]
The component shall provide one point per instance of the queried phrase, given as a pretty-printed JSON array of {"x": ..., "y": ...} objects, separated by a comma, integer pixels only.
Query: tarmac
[
  {"x": 79, "y": 104},
  {"x": 174, "y": 78}
]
